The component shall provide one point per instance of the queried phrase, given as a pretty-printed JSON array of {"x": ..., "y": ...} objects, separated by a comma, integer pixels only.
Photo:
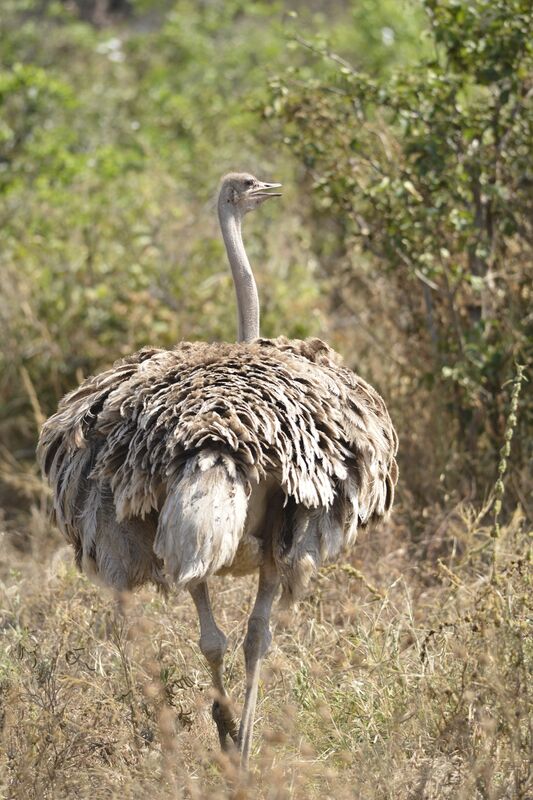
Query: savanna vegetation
[{"x": 402, "y": 132}]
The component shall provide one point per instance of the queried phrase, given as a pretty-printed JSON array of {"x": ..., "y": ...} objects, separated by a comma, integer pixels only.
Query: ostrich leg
[
  {"x": 256, "y": 644},
  {"x": 213, "y": 645}
]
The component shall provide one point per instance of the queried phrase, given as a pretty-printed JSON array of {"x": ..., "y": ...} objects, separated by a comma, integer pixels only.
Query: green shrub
[{"x": 422, "y": 185}]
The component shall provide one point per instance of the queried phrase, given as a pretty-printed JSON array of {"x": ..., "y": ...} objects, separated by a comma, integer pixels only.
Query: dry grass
[{"x": 411, "y": 683}]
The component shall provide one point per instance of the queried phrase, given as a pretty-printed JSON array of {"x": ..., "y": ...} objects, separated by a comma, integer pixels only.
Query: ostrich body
[{"x": 209, "y": 459}]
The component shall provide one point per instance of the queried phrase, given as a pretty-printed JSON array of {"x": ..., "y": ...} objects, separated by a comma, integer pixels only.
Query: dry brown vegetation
[{"x": 397, "y": 678}]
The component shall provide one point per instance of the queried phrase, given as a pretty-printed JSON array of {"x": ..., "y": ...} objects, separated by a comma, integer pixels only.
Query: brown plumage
[
  {"x": 271, "y": 409},
  {"x": 175, "y": 465}
]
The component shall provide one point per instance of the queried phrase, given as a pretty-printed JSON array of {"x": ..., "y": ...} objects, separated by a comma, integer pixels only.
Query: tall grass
[{"x": 417, "y": 688}]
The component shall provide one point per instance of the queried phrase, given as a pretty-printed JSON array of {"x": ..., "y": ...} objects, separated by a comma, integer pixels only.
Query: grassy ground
[{"x": 403, "y": 675}]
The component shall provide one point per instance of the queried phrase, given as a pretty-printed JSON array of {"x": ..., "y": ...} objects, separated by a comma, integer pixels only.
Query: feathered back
[{"x": 283, "y": 409}]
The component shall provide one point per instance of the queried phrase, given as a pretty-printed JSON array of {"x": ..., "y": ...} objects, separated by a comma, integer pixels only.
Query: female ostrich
[{"x": 211, "y": 459}]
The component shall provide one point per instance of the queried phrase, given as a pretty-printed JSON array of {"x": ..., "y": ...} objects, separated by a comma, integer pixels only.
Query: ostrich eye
[{"x": 249, "y": 182}]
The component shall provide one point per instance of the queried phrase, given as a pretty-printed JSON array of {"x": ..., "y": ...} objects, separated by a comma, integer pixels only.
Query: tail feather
[{"x": 202, "y": 519}]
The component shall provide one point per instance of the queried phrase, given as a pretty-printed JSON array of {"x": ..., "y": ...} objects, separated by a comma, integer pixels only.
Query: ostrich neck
[{"x": 243, "y": 278}]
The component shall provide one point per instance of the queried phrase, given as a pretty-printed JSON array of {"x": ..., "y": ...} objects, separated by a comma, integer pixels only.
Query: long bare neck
[{"x": 243, "y": 278}]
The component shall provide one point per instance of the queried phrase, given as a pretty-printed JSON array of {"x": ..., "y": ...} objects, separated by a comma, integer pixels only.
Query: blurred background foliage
[{"x": 402, "y": 133}]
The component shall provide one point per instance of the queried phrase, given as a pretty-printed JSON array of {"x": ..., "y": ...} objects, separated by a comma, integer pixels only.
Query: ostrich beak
[{"x": 264, "y": 190}]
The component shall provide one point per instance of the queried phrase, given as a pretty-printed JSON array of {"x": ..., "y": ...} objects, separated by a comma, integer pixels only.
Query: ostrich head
[{"x": 242, "y": 192}]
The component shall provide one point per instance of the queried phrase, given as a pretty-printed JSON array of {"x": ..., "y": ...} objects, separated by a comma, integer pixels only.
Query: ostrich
[{"x": 209, "y": 459}]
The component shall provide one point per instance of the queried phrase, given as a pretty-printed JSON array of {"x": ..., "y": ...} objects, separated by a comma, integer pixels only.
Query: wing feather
[{"x": 284, "y": 408}]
